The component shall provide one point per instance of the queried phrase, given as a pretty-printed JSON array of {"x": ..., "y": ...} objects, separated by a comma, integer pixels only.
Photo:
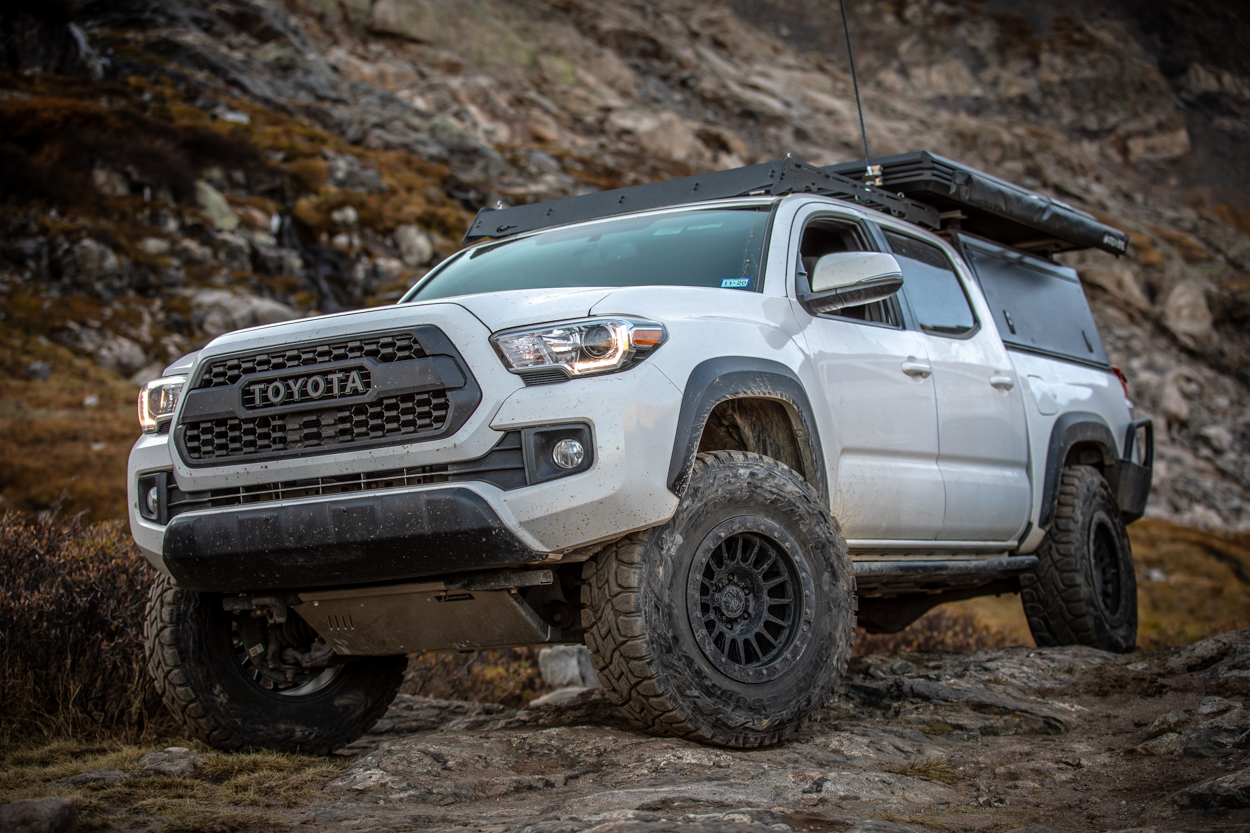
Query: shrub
[
  {"x": 508, "y": 676},
  {"x": 72, "y": 600},
  {"x": 53, "y": 144},
  {"x": 951, "y": 631}
]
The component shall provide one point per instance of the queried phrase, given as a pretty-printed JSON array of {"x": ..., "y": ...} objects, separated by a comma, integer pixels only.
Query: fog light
[
  {"x": 568, "y": 454},
  {"x": 153, "y": 501}
]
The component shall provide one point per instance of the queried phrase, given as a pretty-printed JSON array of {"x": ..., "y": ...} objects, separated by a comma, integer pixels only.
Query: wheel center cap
[{"x": 732, "y": 601}]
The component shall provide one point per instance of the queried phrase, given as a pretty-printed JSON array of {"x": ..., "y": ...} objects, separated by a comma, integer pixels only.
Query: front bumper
[
  {"x": 327, "y": 543},
  {"x": 301, "y": 542}
]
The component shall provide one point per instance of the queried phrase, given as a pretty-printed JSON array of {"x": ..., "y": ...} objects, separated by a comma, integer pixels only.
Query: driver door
[{"x": 877, "y": 387}]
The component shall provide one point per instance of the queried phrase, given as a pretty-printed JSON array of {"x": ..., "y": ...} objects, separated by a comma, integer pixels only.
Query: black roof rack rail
[
  {"x": 989, "y": 207},
  {"x": 785, "y": 176}
]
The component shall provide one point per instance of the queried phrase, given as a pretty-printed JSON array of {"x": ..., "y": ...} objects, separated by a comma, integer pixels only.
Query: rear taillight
[{"x": 1119, "y": 374}]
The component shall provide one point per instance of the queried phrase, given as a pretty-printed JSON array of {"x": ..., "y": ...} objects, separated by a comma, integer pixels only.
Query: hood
[
  {"x": 337, "y": 325},
  {"x": 502, "y": 310}
]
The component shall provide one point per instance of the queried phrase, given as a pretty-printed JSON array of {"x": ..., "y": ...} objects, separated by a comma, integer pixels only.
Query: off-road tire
[
  {"x": 205, "y": 688},
  {"x": 1083, "y": 590},
  {"x": 642, "y": 637}
]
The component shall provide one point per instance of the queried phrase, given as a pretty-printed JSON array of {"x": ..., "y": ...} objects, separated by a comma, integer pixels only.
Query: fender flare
[
  {"x": 1070, "y": 429},
  {"x": 739, "y": 377}
]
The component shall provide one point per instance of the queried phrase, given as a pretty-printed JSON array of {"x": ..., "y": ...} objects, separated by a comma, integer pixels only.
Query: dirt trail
[{"x": 1072, "y": 739}]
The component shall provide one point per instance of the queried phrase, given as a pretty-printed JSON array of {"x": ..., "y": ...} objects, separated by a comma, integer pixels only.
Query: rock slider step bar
[{"x": 875, "y": 578}]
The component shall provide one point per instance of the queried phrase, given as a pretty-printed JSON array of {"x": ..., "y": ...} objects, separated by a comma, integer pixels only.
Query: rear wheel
[
  {"x": 1083, "y": 590},
  {"x": 235, "y": 698},
  {"x": 732, "y": 623}
]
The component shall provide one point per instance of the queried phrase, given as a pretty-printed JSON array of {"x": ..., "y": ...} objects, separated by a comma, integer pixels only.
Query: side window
[
  {"x": 824, "y": 237},
  {"x": 937, "y": 297}
]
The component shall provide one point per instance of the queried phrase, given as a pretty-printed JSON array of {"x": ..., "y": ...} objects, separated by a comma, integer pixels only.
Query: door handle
[
  {"x": 1003, "y": 381},
  {"x": 916, "y": 368}
]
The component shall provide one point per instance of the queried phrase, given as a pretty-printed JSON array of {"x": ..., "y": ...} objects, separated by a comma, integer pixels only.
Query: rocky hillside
[{"x": 173, "y": 170}]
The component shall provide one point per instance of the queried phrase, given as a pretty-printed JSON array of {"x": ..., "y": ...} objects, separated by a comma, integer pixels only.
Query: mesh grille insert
[
  {"x": 399, "y": 347},
  {"x": 392, "y": 416}
]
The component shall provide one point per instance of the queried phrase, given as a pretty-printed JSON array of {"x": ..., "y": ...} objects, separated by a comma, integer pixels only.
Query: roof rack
[
  {"x": 785, "y": 176},
  {"x": 987, "y": 206}
]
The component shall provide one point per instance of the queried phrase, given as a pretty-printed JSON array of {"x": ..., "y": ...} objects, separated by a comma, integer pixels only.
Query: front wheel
[
  {"x": 198, "y": 657},
  {"x": 1083, "y": 590},
  {"x": 732, "y": 623}
]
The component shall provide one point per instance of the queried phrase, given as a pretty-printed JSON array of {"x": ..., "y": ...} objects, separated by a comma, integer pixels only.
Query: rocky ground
[{"x": 1068, "y": 739}]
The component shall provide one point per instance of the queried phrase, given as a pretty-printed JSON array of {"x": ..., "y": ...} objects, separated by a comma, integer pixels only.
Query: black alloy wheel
[
  {"x": 749, "y": 600},
  {"x": 1107, "y": 566}
]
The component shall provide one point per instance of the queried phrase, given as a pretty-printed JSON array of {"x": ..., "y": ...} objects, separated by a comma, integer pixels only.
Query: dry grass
[
  {"x": 942, "y": 629},
  {"x": 72, "y": 603},
  {"x": 52, "y": 142},
  {"x": 230, "y": 791},
  {"x": 509, "y": 676},
  {"x": 1190, "y": 584},
  {"x": 54, "y": 448},
  {"x": 931, "y": 769}
]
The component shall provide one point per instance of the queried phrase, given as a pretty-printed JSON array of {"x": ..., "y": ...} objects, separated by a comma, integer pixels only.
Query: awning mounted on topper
[{"x": 990, "y": 207}]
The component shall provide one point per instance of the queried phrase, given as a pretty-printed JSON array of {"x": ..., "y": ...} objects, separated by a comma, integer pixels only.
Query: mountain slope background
[{"x": 173, "y": 170}]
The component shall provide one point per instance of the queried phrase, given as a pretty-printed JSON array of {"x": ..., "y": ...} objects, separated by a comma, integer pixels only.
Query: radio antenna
[{"x": 863, "y": 132}]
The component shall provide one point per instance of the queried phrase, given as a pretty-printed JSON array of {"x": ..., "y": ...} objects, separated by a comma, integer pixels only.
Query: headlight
[
  {"x": 157, "y": 400},
  {"x": 579, "y": 348}
]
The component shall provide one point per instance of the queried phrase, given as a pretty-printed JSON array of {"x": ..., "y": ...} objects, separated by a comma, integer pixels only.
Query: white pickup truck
[{"x": 680, "y": 422}]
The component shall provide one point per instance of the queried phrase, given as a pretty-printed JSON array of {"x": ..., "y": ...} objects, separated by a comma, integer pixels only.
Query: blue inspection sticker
[{"x": 735, "y": 283}]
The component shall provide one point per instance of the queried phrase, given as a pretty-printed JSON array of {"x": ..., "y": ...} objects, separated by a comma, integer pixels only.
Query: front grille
[
  {"x": 389, "y": 348},
  {"x": 398, "y": 416},
  {"x": 503, "y": 466},
  {"x": 318, "y": 397}
]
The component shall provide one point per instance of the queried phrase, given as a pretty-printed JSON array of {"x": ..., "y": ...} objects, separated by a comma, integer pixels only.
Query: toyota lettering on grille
[{"x": 335, "y": 385}]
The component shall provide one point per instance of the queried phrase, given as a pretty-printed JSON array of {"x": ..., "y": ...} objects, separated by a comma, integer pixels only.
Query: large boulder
[
  {"x": 415, "y": 247},
  {"x": 215, "y": 207},
  {"x": 40, "y": 815},
  {"x": 93, "y": 260},
  {"x": 220, "y": 311},
  {"x": 177, "y": 761},
  {"x": 1230, "y": 791},
  {"x": 663, "y": 134},
  {"x": 567, "y": 665},
  {"x": 111, "y": 351},
  {"x": 121, "y": 354},
  {"x": 1186, "y": 314},
  {"x": 1118, "y": 278}
]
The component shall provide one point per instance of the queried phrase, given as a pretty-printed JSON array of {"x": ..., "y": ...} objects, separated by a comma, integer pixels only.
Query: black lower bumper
[{"x": 358, "y": 540}]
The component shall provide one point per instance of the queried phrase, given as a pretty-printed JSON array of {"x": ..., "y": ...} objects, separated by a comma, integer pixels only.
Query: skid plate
[{"x": 415, "y": 618}]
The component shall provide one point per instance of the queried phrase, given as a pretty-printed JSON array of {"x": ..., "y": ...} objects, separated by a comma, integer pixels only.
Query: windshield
[{"x": 718, "y": 248}]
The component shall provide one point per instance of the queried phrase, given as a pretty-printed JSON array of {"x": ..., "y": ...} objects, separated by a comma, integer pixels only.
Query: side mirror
[{"x": 848, "y": 279}]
